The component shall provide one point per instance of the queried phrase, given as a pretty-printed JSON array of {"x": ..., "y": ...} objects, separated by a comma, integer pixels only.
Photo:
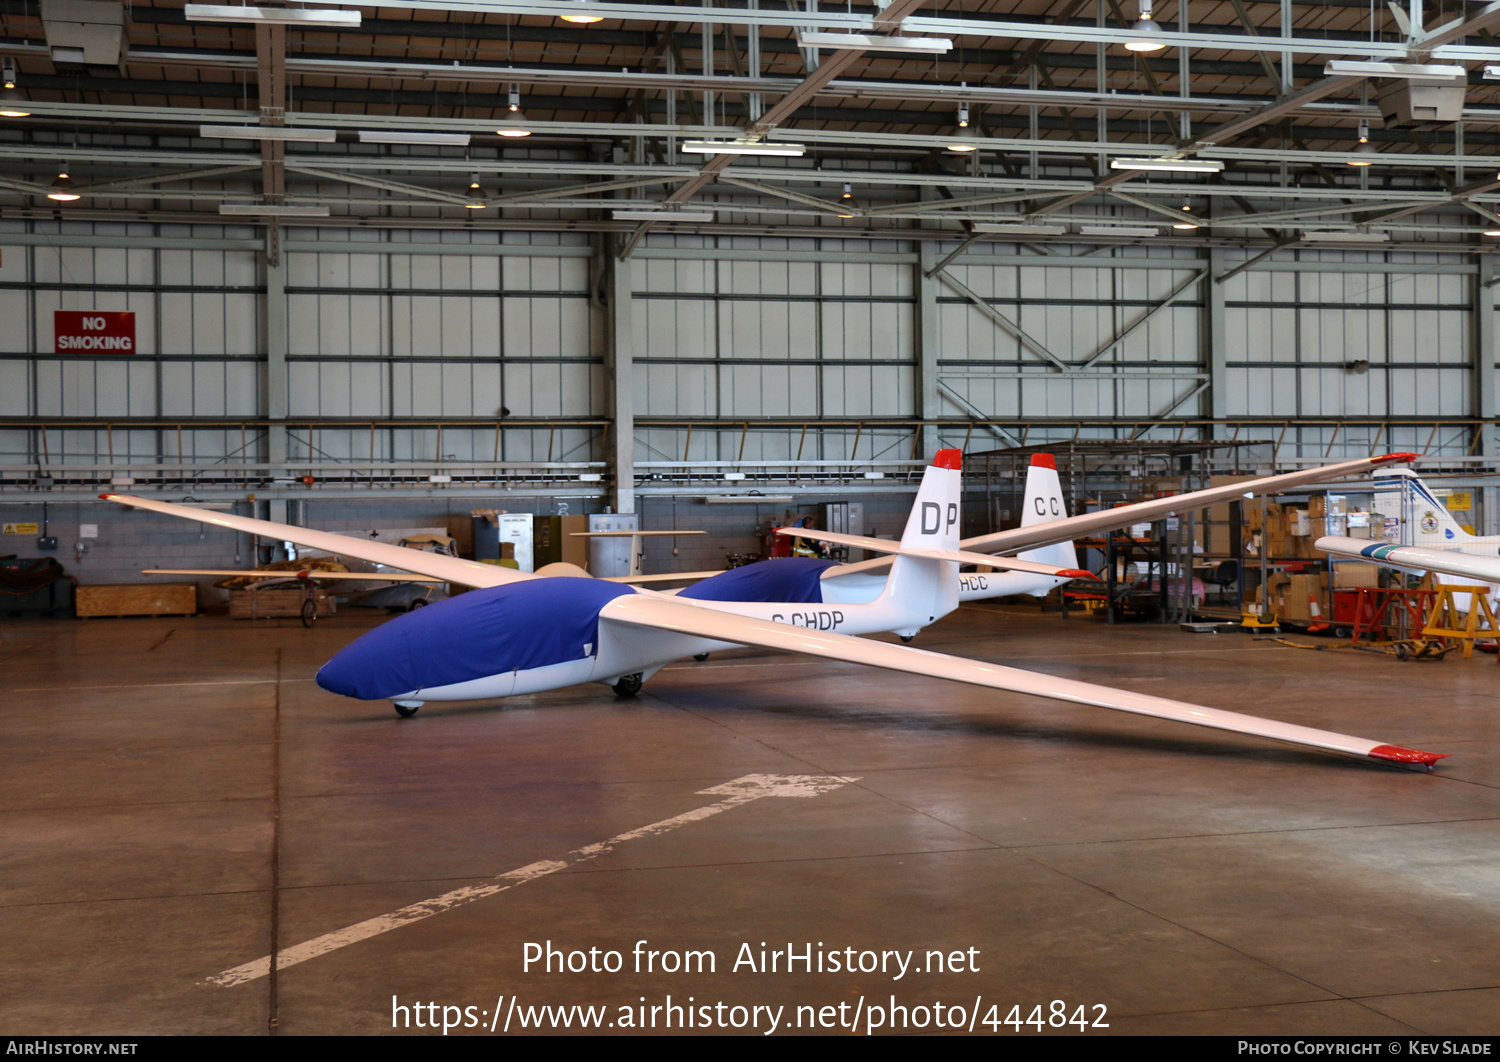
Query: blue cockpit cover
[
  {"x": 794, "y": 580},
  {"x": 484, "y": 632}
]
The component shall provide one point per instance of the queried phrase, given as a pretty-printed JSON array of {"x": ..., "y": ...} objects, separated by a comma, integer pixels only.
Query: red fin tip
[
  {"x": 1043, "y": 461},
  {"x": 949, "y": 459}
]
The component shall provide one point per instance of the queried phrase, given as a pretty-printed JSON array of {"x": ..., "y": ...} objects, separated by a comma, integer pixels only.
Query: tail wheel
[
  {"x": 628, "y": 685},
  {"x": 406, "y": 711},
  {"x": 700, "y": 657}
]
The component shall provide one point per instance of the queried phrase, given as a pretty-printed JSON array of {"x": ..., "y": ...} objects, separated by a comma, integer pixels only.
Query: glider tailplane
[{"x": 925, "y": 589}]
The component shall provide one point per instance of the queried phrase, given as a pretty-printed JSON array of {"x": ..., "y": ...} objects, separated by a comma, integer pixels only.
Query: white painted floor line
[{"x": 739, "y": 791}]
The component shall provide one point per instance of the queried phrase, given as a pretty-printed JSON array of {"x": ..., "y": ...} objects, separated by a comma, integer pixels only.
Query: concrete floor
[{"x": 179, "y": 798}]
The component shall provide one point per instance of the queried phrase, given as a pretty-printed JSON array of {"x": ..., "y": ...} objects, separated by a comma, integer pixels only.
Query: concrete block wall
[{"x": 130, "y": 540}]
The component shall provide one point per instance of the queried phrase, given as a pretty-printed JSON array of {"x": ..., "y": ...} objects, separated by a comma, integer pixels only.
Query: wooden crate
[
  {"x": 275, "y": 602},
  {"x": 138, "y": 599}
]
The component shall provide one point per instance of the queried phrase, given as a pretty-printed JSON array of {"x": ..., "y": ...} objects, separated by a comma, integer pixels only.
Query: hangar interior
[{"x": 389, "y": 263}]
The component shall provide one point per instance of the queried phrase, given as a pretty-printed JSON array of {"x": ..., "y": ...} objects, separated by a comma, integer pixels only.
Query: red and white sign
[{"x": 94, "y": 331}]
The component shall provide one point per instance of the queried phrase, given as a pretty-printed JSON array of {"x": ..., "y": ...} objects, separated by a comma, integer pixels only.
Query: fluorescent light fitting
[
  {"x": 271, "y": 16},
  {"x": 1343, "y": 236},
  {"x": 588, "y": 477},
  {"x": 1018, "y": 228},
  {"x": 873, "y": 42},
  {"x": 121, "y": 481},
  {"x": 1492, "y": 72},
  {"x": 440, "y": 479},
  {"x": 1120, "y": 230},
  {"x": 1371, "y": 68},
  {"x": 269, "y": 132},
  {"x": 396, "y": 136},
  {"x": 1168, "y": 165},
  {"x": 1492, "y": 232},
  {"x": 734, "y": 477},
  {"x": 268, "y": 210},
  {"x": 743, "y": 147},
  {"x": 746, "y": 499},
  {"x": 663, "y": 215}
]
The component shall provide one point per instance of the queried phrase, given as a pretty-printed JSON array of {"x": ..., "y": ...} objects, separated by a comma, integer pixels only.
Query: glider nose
[{"x": 342, "y": 674}]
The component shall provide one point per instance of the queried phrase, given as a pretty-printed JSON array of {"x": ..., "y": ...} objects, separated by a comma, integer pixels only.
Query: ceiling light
[
  {"x": 1169, "y": 165},
  {"x": 273, "y": 210},
  {"x": 269, "y": 132},
  {"x": 1016, "y": 228},
  {"x": 1492, "y": 232},
  {"x": 1364, "y": 151},
  {"x": 583, "y": 19},
  {"x": 1368, "y": 68},
  {"x": 515, "y": 121},
  {"x": 475, "y": 194},
  {"x": 381, "y": 136},
  {"x": 870, "y": 42},
  {"x": 62, "y": 186},
  {"x": 1119, "y": 230},
  {"x": 663, "y": 215},
  {"x": 1147, "y": 33},
  {"x": 846, "y": 202},
  {"x": 1344, "y": 236},
  {"x": 271, "y": 16},
  {"x": 743, "y": 147},
  {"x": 12, "y": 103},
  {"x": 1492, "y": 73},
  {"x": 1187, "y": 222}
]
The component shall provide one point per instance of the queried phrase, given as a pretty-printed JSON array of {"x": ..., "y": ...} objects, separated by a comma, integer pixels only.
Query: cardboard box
[
  {"x": 574, "y": 550},
  {"x": 1347, "y": 574}
]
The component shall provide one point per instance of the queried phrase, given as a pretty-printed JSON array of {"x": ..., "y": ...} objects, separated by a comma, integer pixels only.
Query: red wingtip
[
  {"x": 1397, "y": 754},
  {"x": 1388, "y": 458},
  {"x": 1044, "y": 461},
  {"x": 1076, "y": 573},
  {"x": 949, "y": 459},
  {"x": 106, "y": 497}
]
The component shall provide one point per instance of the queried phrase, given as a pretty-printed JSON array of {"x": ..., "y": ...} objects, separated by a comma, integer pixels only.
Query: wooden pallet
[{"x": 137, "y": 599}]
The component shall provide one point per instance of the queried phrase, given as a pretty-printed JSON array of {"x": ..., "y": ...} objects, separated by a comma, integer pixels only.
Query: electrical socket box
[{"x": 46, "y": 543}]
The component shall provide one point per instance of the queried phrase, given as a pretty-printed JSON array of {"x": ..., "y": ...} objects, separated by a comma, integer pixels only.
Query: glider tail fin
[
  {"x": 1042, "y": 504},
  {"x": 927, "y": 589},
  {"x": 1428, "y": 521}
]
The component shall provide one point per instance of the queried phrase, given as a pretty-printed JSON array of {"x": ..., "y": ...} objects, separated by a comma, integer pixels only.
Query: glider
[
  {"x": 1439, "y": 544},
  {"x": 523, "y": 633}
]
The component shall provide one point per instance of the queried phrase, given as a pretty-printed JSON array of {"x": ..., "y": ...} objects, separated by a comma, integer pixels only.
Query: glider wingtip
[
  {"x": 1397, "y": 754},
  {"x": 1076, "y": 573},
  {"x": 1386, "y": 459}
]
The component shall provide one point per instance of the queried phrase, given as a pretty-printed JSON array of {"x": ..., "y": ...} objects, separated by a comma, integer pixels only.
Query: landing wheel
[
  {"x": 418, "y": 603},
  {"x": 906, "y": 638},
  {"x": 406, "y": 711},
  {"x": 700, "y": 657},
  {"x": 628, "y": 686},
  {"x": 309, "y": 612}
]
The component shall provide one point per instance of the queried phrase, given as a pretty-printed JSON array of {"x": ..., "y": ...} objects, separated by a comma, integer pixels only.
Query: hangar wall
[{"x": 372, "y": 358}]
